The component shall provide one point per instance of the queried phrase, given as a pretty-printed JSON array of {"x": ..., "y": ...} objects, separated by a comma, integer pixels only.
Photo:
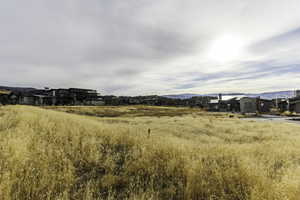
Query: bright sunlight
[{"x": 226, "y": 49}]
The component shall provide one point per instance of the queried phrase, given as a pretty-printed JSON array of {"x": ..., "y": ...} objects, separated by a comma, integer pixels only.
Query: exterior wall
[
  {"x": 283, "y": 106},
  {"x": 13, "y": 99},
  {"x": 298, "y": 93},
  {"x": 95, "y": 103},
  {"x": 294, "y": 105},
  {"x": 265, "y": 106},
  {"x": 248, "y": 105},
  {"x": 297, "y": 107},
  {"x": 234, "y": 106},
  {"x": 28, "y": 100},
  {"x": 39, "y": 101},
  {"x": 213, "y": 107},
  {"x": 3, "y": 99}
]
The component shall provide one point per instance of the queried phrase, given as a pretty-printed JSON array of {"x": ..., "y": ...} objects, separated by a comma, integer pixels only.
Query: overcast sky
[{"x": 143, "y": 47}]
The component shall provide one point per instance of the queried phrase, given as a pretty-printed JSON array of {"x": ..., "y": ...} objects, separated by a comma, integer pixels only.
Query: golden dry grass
[
  {"x": 131, "y": 111},
  {"x": 46, "y": 154}
]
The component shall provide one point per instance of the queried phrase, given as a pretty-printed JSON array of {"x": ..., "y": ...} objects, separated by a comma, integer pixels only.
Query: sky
[{"x": 143, "y": 47}]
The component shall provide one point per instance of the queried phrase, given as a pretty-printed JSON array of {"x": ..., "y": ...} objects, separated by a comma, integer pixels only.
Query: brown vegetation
[
  {"x": 131, "y": 111},
  {"x": 45, "y": 154}
]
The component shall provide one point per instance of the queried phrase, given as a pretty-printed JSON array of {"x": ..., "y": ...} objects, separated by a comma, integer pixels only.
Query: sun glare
[{"x": 226, "y": 49}]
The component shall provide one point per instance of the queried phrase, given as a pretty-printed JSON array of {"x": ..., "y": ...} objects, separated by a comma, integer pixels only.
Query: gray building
[
  {"x": 295, "y": 105},
  {"x": 297, "y": 93},
  {"x": 248, "y": 105},
  {"x": 27, "y": 100}
]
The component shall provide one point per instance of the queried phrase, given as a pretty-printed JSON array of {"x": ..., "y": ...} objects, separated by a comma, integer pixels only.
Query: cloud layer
[{"x": 149, "y": 47}]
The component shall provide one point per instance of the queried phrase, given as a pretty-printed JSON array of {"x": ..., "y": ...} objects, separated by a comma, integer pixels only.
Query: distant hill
[
  {"x": 274, "y": 95},
  {"x": 183, "y": 96},
  {"x": 17, "y": 89},
  {"x": 265, "y": 95}
]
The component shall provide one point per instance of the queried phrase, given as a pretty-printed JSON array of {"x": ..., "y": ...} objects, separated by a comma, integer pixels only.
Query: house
[
  {"x": 248, "y": 105},
  {"x": 255, "y": 104},
  {"x": 265, "y": 105},
  {"x": 13, "y": 98},
  {"x": 27, "y": 99},
  {"x": 232, "y": 105},
  {"x": 73, "y": 96},
  {"x": 85, "y": 96},
  {"x": 225, "y": 104},
  {"x": 214, "y": 105},
  {"x": 282, "y": 104},
  {"x": 200, "y": 101},
  {"x": 4, "y": 97},
  {"x": 294, "y": 104},
  {"x": 61, "y": 96},
  {"x": 297, "y": 93}
]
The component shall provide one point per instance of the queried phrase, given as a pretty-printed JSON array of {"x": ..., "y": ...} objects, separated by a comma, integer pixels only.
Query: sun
[{"x": 226, "y": 49}]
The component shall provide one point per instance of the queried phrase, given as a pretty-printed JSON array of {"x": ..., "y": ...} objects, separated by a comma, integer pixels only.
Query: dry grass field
[
  {"x": 132, "y": 111},
  {"x": 142, "y": 152}
]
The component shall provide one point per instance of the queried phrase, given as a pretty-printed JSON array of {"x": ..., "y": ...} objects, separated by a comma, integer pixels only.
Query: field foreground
[{"x": 144, "y": 153}]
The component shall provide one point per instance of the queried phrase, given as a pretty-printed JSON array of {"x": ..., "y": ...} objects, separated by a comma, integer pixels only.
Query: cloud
[{"x": 147, "y": 47}]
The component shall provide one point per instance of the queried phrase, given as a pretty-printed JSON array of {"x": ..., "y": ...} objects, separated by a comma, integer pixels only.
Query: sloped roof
[{"x": 231, "y": 97}]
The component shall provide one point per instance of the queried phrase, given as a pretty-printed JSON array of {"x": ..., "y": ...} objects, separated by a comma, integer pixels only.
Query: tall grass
[{"x": 46, "y": 154}]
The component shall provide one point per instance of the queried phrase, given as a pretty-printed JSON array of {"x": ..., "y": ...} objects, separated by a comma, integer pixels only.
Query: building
[
  {"x": 71, "y": 96},
  {"x": 225, "y": 104},
  {"x": 282, "y": 104},
  {"x": 265, "y": 105},
  {"x": 294, "y": 104},
  {"x": 233, "y": 104},
  {"x": 4, "y": 97},
  {"x": 214, "y": 105},
  {"x": 27, "y": 99},
  {"x": 248, "y": 105},
  {"x": 200, "y": 101},
  {"x": 297, "y": 93}
]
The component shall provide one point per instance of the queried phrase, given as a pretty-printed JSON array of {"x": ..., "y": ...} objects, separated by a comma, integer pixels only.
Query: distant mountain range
[{"x": 265, "y": 95}]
